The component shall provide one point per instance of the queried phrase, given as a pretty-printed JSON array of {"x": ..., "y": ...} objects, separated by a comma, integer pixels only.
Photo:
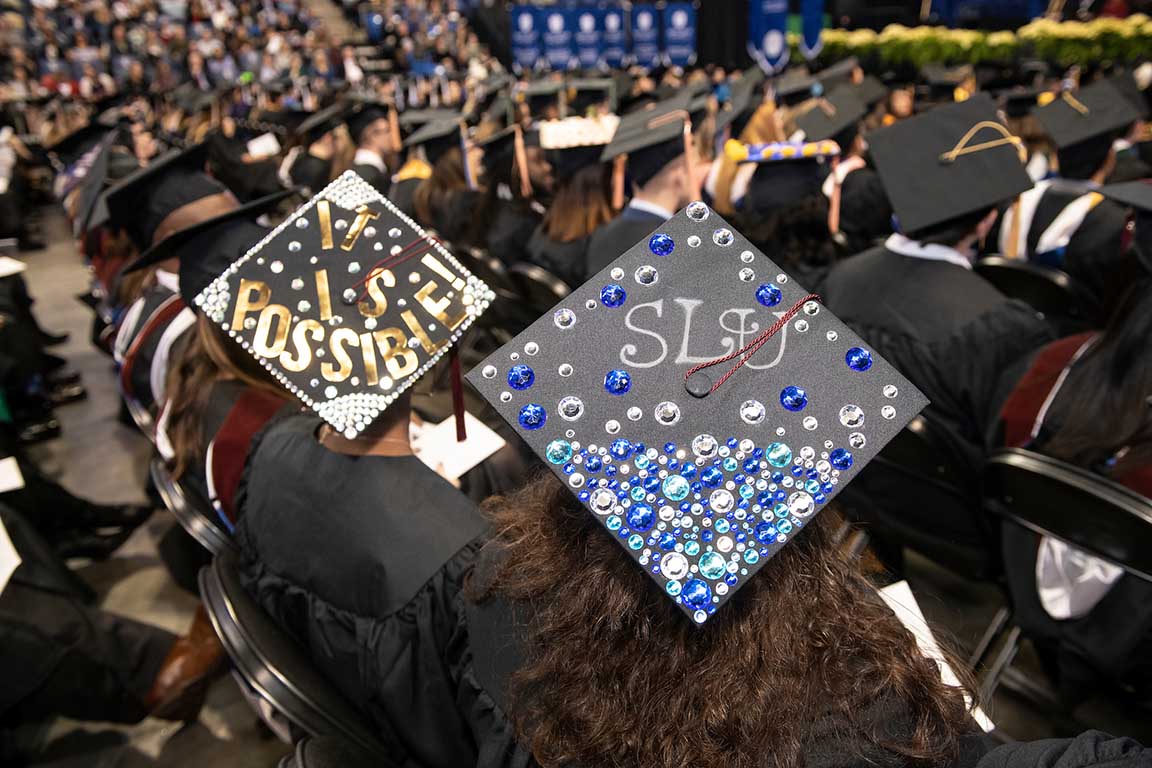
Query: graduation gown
[
  {"x": 146, "y": 342},
  {"x": 1113, "y": 638},
  {"x": 373, "y": 173},
  {"x": 361, "y": 559},
  {"x": 567, "y": 261},
  {"x": 1069, "y": 226},
  {"x": 511, "y": 229},
  {"x": 617, "y": 236},
  {"x": 402, "y": 192},
  {"x": 952, "y": 335}
]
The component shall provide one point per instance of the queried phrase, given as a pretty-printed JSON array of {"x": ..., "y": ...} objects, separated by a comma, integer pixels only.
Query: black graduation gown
[
  {"x": 511, "y": 229},
  {"x": 402, "y": 192},
  {"x": 614, "y": 238},
  {"x": 361, "y": 559},
  {"x": 952, "y": 335},
  {"x": 379, "y": 179},
  {"x": 567, "y": 261}
]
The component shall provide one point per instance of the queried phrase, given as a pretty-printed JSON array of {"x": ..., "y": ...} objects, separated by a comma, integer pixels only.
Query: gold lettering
[
  {"x": 434, "y": 264},
  {"x": 303, "y": 357},
  {"x": 368, "y": 349},
  {"x": 339, "y": 338},
  {"x": 364, "y": 214},
  {"x": 324, "y": 212},
  {"x": 419, "y": 332},
  {"x": 323, "y": 295},
  {"x": 246, "y": 302},
  {"x": 260, "y": 343},
  {"x": 379, "y": 303},
  {"x": 398, "y": 358},
  {"x": 436, "y": 307}
]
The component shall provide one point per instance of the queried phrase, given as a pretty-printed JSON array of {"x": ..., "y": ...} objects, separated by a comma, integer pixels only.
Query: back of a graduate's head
[
  {"x": 615, "y": 674},
  {"x": 582, "y": 203},
  {"x": 1085, "y": 159},
  {"x": 952, "y": 232}
]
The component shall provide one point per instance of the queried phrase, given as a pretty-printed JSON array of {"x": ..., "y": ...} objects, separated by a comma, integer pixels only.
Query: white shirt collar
[
  {"x": 169, "y": 280},
  {"x": 368, "y": 157},
  {"x": 900, "y": 244},
  {"x": 652, "y": 208}
]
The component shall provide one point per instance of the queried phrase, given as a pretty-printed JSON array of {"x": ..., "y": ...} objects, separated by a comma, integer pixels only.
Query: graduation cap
[
  {"x": 576, "y": 142},
  {"x": 506, "y": 149},
  {"x": 413, "y": 119},
  {"x": 438, "y": 136},
  {"x": 156, "y": 200},
  {"x": 947, "y": 83},
  {"x": 653, "y": 138},
  {"x": 1136, "y": 195},
  {"x": 92, "y": 188},
  {"x": 1126, "y": 84},
  {"x": 362, "y": 115},
  {"x": 954, "y": 160},
  {"x": 1020, "y": 102},
  {"x": 786, "y": 173},
  {"x": 701, "y": 449},
  {"x": 1094, "y": 111},
  {"x": 833, "y": 117},
  {"x": 541, "y": 95},
  {"x": 313, "y": 128},
  {"x": 742, "y": 103},
  {"x": 346, "y": 303},
  {"x": 583, "y": 94},
  {"x": 70, "y": 147},
  {"x": 795, "y": 86},
  {"x": 871, "y": 91},
  {"x": 842, "y": 72}
]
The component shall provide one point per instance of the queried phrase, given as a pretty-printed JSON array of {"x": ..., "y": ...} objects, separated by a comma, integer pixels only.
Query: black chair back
[
  {"x": 276, "y": 668},
  {"x": 201, "y": 524},
  {"x": 919, "y": 493},
  {"x": 1078, "y": 507},
  {"x": 537, "y": 286},
  {"x": 1046, "y": 289}
]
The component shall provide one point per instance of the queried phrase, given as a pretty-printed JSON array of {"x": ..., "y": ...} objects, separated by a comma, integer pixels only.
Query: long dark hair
[
  {"x": 796, "y": 235},
  {"x": 1104, "y": 405},
  {"x": 431, "y": 197},
  {"x": 582, "y": 204},
  {"x": 614, "y": 674}
]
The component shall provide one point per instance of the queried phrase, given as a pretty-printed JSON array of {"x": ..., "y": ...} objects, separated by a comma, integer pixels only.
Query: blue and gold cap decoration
[
  {"x": 701, "y": 405},
  {"x": 347, "y": 303}
]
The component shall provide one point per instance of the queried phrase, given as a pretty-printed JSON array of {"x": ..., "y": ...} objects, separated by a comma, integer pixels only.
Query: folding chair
[
  {"x": 201, "y": 524},
  {"x": 537, "y": 286},
  {"x": 1049, "y": 291}
]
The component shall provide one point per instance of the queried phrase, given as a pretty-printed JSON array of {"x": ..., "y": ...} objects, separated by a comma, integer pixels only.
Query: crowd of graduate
[{"x": 693, "y": 305}]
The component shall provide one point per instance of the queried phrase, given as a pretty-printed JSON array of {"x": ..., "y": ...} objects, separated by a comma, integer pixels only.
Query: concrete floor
[{"x": 101, "y": 459}]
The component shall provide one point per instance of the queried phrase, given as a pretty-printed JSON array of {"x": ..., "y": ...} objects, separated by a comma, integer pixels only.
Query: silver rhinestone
[
  {"x": 752, "y": 411},
  {"x": 801, "y": 325},
  {"x": 505, "y": 397},
  {"x": 341, "y": 224},
  {"x": 888, "y": 412},
  {"x": 301, "y": 223},
  {"x": 704, "y": 446},
  {"x": 576, "y": 480},
  {"x": 531, "y": 348},
  {"x": 571, "y": 408},
  {"x": 857, "y": 440},
  {"x": 349, "y": 295},
  {"x": 747, "y": 257},
  {"x": 811, "y": 308},
  {"x": 667, "y": 413},
  {"x": 314, "y": 383},
  {"x": 564, "y": 370},
  {"x": 294, "y": 247},
  {"x": 394, "y": 232},
  {"x": 276, "y": 267},
  {"x": 369, "y": 231},
  {"x": 832, "y": 336},
  {"x": 330, "y": 392},
  {"x": 646, "y": 274},
  {"x": 414, "y": 277},
  {"x": 353, "y": 267},
  {"x": 852, "y": 416},
  {"x": 890, "y": 391},
  {"x": 697, "y": 211},
  {"x": 514, "y": 356},
  {"x": 489, "y": 372},
  {"x": 249, "y": 323},
  {"x": 723, "y": 236},
  {"x": 297, "y": 284},
  {"x": 780, "y": 431},
  {"x": 693, "y": 242},
  {"x": 634, "y": 414},
  {"x": 617, "y": 273},
  {"x": 369, "y": 323},
  {"x": 747, "y": 274},
  {"x": 612, "y": 426},
  {"x": 781, "y": 278},
  {"x": 810, "y": 423},
  {"x": 303, "y": 306},
  {"x": 807, "y": 453}
]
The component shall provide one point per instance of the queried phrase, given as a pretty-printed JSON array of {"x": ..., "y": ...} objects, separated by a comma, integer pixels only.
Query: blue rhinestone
[
  {"x": 722, "y": 526},
  {"x": 780, "y": 510},
  {"x": 730, "y": 464},
  {"x": 764, "y": 498},
  {"x": 706, "y": 536},
  {"x": 779, "y": 455},
  {"x": 612, "y": 295},
  {"x": 758, "y": 453},
  {"x": 769, "y": 295},
  {"x": 751, "y": 556},
  {"x": 638, "y": 493},
  {"x": 533, "y": 416},
  {"x": 652, "y": 484},
  {"x": 675, "y": 487},
  {"x": 667, "y": 541},
  {"x": 780, "y": 495},
  {"x": 812, "y": 474},
  {"x": 661, "y": 244},
  {"x": 731, "y": 579},
  {"x": 610, "y": 471},
  {"x": 636, "y": 541},
  {"x": 746, "y": 491},
  {"x": 685, "y": 507},
  {"x": 712, "y": 566},
  {"x": 751, "y": 465},
  {"x": 672, "y": 587},
  {"x": 584, "y": 495},
  {"x": 669, "y": 447},
  {"x": 641, "y": 517},
  {"x": 641, "y": 461},
  {"x": 738, "y": 478},
  {"x": 593, "y": 464},
  {"x": 569, "y": 468},
  {"x": 691, "y": 549},
  {"x": 794, "y": 398},
  {"x": 558, "y": 451},
  {"x": 696, "y": 594},
  {"x": 785, "y": 526},
  {"x": 613, "y": 523},
  {"x": 858, "y": 359},
  {"x": 765, "y": 533},
  {"x": 819, "y": 498},
  {"x": 732, "y": 442},
  {"x": 712, "y": 477},
  {"x": 697, "y": 487},
  {"x": 827, "y": 488},
  {"x": 639, "y": 447},
  {"x": 688, "y": 470},
  {"x": 812, "y": 486},
  {"x": 520, "y": 377},
  {"x": 778, "y": 477},
  {"x": 673, "y": 465},
  {"x": 841, "y": 459},
  {"x": 621, "y": 449},
  {"x": 617, "y": 382}
]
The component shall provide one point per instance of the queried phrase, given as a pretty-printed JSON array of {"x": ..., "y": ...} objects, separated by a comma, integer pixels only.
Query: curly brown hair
[{"x": 614, "y": 674}]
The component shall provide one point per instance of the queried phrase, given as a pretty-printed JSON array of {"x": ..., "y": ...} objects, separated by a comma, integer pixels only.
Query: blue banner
[
  {"x": 525, "y": 37},
  {"x": 645, "y": 36},
  {"x": 589, "y": 48},
  {"x": 768, "y": 34},
  {"x": 680, "y": 34},
  {"x": 559, "y": 24},
  {"x": 613, "y": 37},
  {"x": 811, "y": 28}
]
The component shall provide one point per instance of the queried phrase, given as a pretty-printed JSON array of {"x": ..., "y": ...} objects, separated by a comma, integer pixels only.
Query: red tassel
[{"x": 458, "y": 398}]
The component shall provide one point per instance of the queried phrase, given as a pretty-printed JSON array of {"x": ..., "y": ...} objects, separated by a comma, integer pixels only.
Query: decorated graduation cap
[
  {"x": 1136, "y": 195},
  {"x": 951, "y": 161},
  {"x": 576, "y": 142},
  {"x": 346, "y": 303},
  {"x": 700, "y": 405},
  {"x": 653, "y": 138},
  {"x": 1097, "y": 110},
  {"x": 786, "y": 173},
  {"x": 835, "y": 116}
]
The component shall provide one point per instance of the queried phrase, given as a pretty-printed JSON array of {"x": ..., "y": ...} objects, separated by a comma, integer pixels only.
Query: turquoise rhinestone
[{"x": 558, "y": 451}]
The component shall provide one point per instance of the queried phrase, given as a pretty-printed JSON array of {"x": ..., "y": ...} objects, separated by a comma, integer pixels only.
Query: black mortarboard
[
  {"x": 953, "y": 160},
  {"x": 1126, "y": 84},
  {"x": 1136, "y": 195},
  {"x": 92, "y": 187},
  {"x": 76, "y": 143},
  {"x": 585, "y": 94},
  {"x": 651, "y": 138},
  {"x": 576, "y": 142},
  {"x": 172, "y": 246},
  {"x": 542, "y": 94},
  {"x": 943, "y": 81},
  {"x": 1019, "y": 102},
  {"x": 437, "y": 137},
  {"x": 701, "y": 455},
  {"x": 413, "y": 119},
  {"x": 1095, "y": 110},
  {"x": 871, "y": 91},
  {"x": 346, "y": 303},
  {"x": 141, "y": 201},
  {"x": 795, "y": 86},
  {"x": 362, "y": 116},
  {"x": 313, "y": 128},
  {"x": 743, "y": 102},
  {"x": 840, "y": 73},
  {"x": 833, "y": 116}
]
